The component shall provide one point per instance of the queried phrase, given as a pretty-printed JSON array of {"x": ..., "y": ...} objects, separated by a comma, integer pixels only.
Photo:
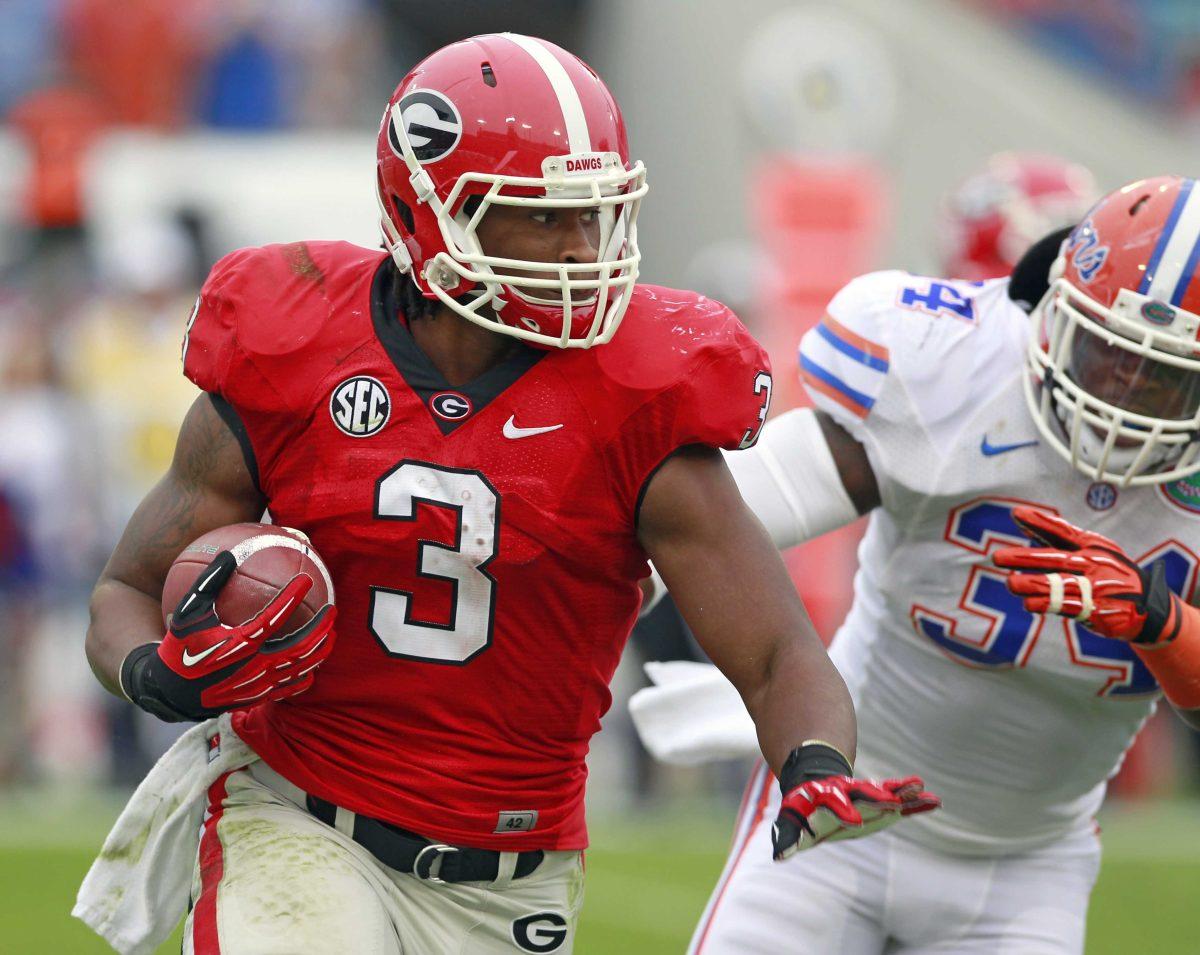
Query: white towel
[
  {"x": 692, "y": 715},
  {"x": 137, "y": 889}
]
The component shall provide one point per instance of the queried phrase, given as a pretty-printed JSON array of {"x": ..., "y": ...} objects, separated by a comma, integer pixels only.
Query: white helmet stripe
[
  {"x": 1177, "y": 249},
  {"x": 578, "y": 137}
]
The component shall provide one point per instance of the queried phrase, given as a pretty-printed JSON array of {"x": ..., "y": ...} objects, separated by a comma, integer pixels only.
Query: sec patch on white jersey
[{"x": 1015, "y": 719}]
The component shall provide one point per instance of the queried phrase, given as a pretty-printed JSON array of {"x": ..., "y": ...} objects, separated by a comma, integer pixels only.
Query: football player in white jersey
[{"x": 960, "y": 423}]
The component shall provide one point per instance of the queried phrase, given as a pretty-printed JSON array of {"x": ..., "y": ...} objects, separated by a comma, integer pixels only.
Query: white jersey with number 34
[{"x": 1016, "y": 720}]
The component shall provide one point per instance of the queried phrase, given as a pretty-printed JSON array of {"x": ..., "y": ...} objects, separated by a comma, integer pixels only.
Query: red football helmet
[
  {"x": 506, "y": 119},
  {"x": 993, "y": 216},
  {"x": 1114, "y": 356}
]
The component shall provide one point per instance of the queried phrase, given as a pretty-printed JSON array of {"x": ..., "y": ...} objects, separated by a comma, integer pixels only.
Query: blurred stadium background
[{"x": 790, "y": 145}]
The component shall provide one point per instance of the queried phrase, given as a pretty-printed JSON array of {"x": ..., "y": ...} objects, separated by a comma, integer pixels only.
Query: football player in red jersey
[
  {"x": 992, "y": 217},
  {"x": 485, "y": 483}
]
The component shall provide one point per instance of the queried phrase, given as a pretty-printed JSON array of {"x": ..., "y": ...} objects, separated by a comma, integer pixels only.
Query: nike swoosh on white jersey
[
  {"x": 190, "y": 661},
  {"x": 512, "y": 431}
]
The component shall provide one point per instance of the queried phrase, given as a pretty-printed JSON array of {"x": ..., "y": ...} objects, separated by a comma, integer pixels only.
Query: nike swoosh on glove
[{"x": 204, "y": 667}]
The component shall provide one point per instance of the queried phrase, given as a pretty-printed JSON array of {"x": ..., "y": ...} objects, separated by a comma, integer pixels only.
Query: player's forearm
[
  {"x": 735, "y": 594},
  {"x": 122, "y": 618},
  {"x": 1175, "y": 661},
  {"x": 801, "y": 697}
]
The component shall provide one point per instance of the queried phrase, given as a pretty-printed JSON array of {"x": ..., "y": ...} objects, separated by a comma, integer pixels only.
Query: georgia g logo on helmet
[
  {"x": 508, "y": 119},
  {"x": 432, "y": 124}
]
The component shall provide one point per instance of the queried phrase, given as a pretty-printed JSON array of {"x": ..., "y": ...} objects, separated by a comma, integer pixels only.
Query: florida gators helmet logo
[{"x": 1087, "y": 254}]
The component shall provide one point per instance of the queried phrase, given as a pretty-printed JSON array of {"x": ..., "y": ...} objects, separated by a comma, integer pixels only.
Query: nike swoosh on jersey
[
  {"x": 190, "y": 660},
  {"x": 512, "y": 431},
  {"x": 991, "y": 450}
]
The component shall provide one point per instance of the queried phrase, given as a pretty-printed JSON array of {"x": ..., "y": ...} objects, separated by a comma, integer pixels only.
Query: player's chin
[{"x": 1123, "y": 441}]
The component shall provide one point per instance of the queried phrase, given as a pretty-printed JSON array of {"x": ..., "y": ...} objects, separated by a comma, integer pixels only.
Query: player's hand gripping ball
[
  {"x": 1085, "y": 576},
  {"x": 251, "y": 624},
  {"x": 820, "y": 808}
]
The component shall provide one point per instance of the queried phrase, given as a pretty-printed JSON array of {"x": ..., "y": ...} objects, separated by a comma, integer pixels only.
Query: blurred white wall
[{"x": 251, "y": 189}]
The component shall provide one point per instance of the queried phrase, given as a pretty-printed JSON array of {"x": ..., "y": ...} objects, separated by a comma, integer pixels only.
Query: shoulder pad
[
  {"x": 893, "y": 344},
  {"x": 269, "y": 320},
  {"x": 681, "y": 347},
  {"x": 681, "y": 370}
]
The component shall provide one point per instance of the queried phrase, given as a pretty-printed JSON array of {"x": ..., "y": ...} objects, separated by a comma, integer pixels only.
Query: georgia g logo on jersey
[
  {"x": 431, "y": 123},
  {"x": 360, "y": 406}
]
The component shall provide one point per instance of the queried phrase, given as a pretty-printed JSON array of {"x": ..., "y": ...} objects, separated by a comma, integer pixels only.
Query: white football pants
[
  {"x": 885, "y": 895},
  {"x": 271, "y": 879}
]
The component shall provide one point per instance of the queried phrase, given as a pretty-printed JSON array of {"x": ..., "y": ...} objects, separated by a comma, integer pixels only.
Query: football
[{"x": 268, "y": 556}]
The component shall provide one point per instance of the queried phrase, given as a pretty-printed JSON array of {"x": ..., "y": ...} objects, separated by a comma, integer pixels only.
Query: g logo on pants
[{"x": 543, "y": 932}]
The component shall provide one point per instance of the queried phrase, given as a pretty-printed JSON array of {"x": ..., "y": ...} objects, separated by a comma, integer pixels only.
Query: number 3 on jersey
[
  {"x": 762, "y": 386},
  {"x": 463, "y": 564}
]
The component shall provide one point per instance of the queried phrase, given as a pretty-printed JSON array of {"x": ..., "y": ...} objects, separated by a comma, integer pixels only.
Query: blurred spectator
[
  {"x": 336, "y": 48},
  {"x": 27, "y": 42},
  {"x": 122, "y": 361},
  {"x": 18, "y": 575},
  {"x": 241, "y": 85},
  {"x": 57, "y": 123},
  {"x": 44, "y": 450},
  {"x": 121, "y": 356},
  {"x": 17, "y": 570},
  {"x": 51, "y": 539},
  {"x": 988, "y": 221},
  {"x": 139, "y": 56},
  {"x": 274, "y": 63}
]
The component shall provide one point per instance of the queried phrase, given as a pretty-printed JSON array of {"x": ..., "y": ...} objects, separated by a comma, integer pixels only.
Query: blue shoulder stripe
[
  {"x": 849, "y": 350},
  {"x": 810, "y": 366}
]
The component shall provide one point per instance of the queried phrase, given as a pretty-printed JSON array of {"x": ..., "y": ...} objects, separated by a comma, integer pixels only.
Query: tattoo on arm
[{"x": 207, "y": 486}]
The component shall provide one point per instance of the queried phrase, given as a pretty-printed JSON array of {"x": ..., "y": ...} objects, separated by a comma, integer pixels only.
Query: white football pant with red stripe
[
  {"x": 885, "y": 895},
  {"x": 272, "y": 879}
]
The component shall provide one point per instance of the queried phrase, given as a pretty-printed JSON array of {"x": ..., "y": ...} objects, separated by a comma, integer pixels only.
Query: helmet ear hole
[{"x": 404, "y": 212}]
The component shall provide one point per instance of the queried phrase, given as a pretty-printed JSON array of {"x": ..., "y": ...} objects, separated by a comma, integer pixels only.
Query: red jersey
[{"x": 482, "y": 539}]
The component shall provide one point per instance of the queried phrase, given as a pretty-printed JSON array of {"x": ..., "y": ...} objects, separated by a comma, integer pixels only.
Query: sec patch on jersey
[{"x": 360, "y": 406}]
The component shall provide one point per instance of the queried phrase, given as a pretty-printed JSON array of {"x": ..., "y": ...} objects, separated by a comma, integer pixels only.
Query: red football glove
[
  {"x": 839, "y": 807},
  {"x": 822, "y": 802},
  {"x": 1085, "y": 576},
  {"x": 204, "y": 667}
]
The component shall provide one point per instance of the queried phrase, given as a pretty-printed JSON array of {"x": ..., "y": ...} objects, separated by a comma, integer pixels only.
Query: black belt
[{"x": 430, "y": 861}]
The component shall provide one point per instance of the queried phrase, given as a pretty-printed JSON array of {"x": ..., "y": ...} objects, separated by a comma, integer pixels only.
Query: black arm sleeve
[{"x": 1031, "y": 276}]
